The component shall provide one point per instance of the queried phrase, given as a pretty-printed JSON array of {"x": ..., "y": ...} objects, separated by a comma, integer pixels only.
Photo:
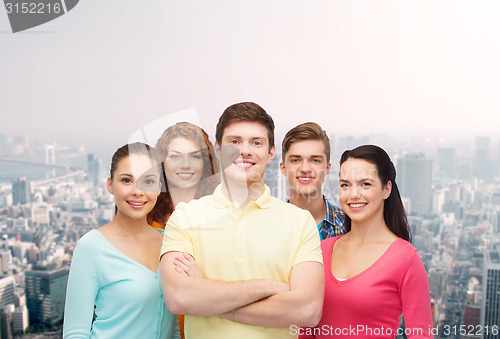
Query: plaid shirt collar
[{"x": 333, "y": 224}]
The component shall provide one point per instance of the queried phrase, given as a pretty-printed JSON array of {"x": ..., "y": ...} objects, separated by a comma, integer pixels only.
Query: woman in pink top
[{"x": 372, "y": 273}]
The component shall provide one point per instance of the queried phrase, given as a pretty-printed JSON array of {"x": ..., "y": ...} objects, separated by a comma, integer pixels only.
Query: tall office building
[
  {"x": 490, "y": 307},
  {"x": 414, "y": 179},
  {"x": 46, "y": 293},
  {"x": 446, "y": 160},
  {"x": 482, "y": 162},
  {"x": 93, "y": 168},
  {"x": 21, "y": 191},
  {"x": 275, "y": 179},
  {"x": 5, "y": 322},
  {"x": 7, "y": 295}
]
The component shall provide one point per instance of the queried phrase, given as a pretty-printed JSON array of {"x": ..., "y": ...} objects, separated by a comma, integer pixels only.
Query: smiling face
[
  {"x": 362, "y": 194},
  {"x": 305, "y": 166},
  {"x": 183, "y": 163},
  {"x": 135, "y": 186},
  {"x": 245, "y": 152}
]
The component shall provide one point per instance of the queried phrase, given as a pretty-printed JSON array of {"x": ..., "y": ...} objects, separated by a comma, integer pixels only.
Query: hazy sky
[{"x": 100, "y": 72}]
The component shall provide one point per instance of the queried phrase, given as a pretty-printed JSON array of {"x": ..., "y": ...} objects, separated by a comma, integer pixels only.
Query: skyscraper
[
  {"x": 21, "y": 191},
  {"x": 93, "y": 168},
  {"x": 446, "y": 160},
  {"x": 46, "y": 293},
  {"x": 275, "y": 179},
  {"x": 414, "y": 179},
  {"x": 482, "y": 162},
  {"x": 7, "y": 291},
  {"x": 490, "y": 308}
]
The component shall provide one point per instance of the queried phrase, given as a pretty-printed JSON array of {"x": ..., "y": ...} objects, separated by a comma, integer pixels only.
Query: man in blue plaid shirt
[{"x": 306, "y": 163}]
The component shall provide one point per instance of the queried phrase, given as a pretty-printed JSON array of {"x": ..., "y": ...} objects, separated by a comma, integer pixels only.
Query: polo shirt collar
[
  {"x": 221, "y": 201},
  {"x": 265, "y": 198}
]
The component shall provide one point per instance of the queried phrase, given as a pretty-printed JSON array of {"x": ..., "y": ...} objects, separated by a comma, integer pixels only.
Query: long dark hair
[
  {"x": 394, "y": 211},
  {"x": 164, "y": 204}
]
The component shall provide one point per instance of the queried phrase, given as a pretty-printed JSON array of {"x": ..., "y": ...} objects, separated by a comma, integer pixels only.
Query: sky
[{"x": 99, "y": 73}]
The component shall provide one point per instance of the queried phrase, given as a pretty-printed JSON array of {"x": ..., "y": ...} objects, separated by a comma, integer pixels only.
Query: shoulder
[
  {"x": 328, "y": 243},
  {"x": 196, "y": 204},
  {"x": 287, "y": 207},
  {"x": 403, "y": 247},
  {"x": 90, "y": 240},
  {"x": 404, "y": 255}
]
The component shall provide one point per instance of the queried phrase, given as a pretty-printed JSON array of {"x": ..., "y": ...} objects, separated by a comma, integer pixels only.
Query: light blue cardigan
[{"x": 128, "y": 296}]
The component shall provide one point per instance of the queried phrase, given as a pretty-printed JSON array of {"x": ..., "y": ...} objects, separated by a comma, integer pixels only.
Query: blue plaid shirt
[{"x": 333, "y": 224}]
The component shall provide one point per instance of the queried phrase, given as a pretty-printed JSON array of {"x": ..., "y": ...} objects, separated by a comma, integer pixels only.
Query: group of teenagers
[{"x": 199, "y": 248}]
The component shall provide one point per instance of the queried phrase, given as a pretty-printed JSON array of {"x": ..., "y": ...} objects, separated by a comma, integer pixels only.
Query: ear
[
  {"x": 282, "y": 168},
  {"x": 272, "y": 153},
  {"x": 328, "y": 167},
  {"x": 217, "y": 150},
  {"x": 387, "y": 189},
  {"x": 109, "y": 185},
  {"x": 159, "y": 189}
]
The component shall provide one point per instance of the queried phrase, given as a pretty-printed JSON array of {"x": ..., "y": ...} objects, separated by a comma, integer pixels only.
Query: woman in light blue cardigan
[{"x": 115, "y": 267}]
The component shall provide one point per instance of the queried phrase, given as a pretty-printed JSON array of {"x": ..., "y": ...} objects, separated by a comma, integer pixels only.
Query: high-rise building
[
  {"x": 446, "y": 160},
  {"x": 5, "y": 321},
  {"x": 21, "y": 191},
  {"x": 414, "y": 179},
  {"x": 490, "y": 307},
  {"x": 5, "y": 259},
  {"x": 20, "y": 320},
  {"x": 46, "y": 293},
  {"x": 93, "y": 168},
  {"x": 275, "y": 179},
  {"x": 7, "y": 295},
  {"x": 482, "y": 162}
]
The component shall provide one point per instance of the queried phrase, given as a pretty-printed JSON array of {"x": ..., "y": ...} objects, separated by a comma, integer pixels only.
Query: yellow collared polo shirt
[{"x": 262, "y": 241}]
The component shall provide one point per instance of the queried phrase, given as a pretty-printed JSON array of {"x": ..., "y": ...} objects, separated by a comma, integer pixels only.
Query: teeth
[
  {"x": 185, "y": 175},
  {"x": 357, "y": 205},
  {"x": 244, "y": 164},
  {"x": 303, "y": 179},
  {"x": 136, "y": 203}
]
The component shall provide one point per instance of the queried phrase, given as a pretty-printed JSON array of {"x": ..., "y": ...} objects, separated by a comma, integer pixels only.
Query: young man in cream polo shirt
[{"x": 257, "y": 267}]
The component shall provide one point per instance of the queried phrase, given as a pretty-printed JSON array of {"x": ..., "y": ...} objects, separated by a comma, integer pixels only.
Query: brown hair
[
  {"x": 245, "y": 111},
  {"x": 305, "y": 131},
  {"x": 164, "y": 204},
  {"x": 138, "y": 148}
]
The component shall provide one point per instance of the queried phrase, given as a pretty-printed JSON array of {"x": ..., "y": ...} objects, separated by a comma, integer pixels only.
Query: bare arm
[
  {"x": 198, "y": 296},
  {"x": 301, "y": 306}
]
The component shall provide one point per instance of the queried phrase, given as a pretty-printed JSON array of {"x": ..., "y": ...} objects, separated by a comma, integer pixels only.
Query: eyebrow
[
  {"x": 362, "y": 179},
  {"x": 240, "y": 137},
  {"x": 174, "y": 151},
  {"x": 300, "y": 156}
]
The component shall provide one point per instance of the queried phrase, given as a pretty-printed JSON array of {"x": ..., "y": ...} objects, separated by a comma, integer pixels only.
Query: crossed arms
[{"x": 266, "y": 303}]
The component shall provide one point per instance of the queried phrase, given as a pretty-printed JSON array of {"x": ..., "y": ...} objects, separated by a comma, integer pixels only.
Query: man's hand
[
  {"x": 192, "y": 294},
  {"x": 185, "y": 264}
]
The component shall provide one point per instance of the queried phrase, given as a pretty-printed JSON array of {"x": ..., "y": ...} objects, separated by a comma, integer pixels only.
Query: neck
[
  {"x": 181, "y": 194},
  {"x": 374, "y": 229},
  {"x": 129, "y": 226},
  {"x": 243, "y": 194},
  {"x": 314, "y": 204}
]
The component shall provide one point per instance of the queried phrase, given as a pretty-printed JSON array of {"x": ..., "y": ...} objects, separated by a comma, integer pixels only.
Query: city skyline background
[
  {"x": 419, "y": 78},
  {"x": 103, "y": 70}
]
